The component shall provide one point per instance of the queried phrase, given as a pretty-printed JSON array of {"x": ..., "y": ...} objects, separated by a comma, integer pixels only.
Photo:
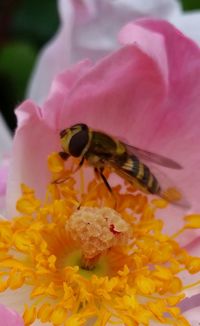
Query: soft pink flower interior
[
  {"x": 147, "y": 94},
  {"x": 9, "y": 317}
]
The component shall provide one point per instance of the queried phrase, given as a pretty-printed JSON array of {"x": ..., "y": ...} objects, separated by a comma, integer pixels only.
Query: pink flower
[
  {"x": 149, "y": 96},
  {"x": 146, "y": 93},
  {"x": 9, "y": 317},
  {"x": 89, "y": 29}
]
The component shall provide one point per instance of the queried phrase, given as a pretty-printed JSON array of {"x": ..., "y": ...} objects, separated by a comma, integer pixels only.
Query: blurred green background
[{"x": 25, "y": 25}]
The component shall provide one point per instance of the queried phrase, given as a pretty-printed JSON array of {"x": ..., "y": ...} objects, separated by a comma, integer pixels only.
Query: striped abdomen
[{"x": 141, "y": 172}]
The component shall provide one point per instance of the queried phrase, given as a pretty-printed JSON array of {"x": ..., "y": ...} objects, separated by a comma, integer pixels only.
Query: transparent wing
[
  {"x": 152, "y": 157},
  {"x": 168, "y": 190}
]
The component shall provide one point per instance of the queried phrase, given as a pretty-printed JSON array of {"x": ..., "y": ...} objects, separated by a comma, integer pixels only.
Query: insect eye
[{"x": 78, "y": 143}]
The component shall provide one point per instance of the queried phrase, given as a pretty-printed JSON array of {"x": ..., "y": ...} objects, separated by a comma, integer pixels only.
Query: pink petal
[
  {"x": 190, "y": 303},
  {"x": 147, "y": 95},
  {"x": 4, "y": 168},
  {"x": 89, "y": 29},
  {"x": 3, "y": 178},
  {"x": 188, "y": 23},
  {"x": 5, "y": 138},
  {"x": 60, "y": 88},
  {"x": 9, "y": 317},
  {"x": 101, "y": 96},
  {"x": 32, "y": 143},
  {"x": 85, "y": 101},
  {"x": 194, "y": 246},
  {"x": 192, "y": 316},
  {"x": 176, "y": 132}
]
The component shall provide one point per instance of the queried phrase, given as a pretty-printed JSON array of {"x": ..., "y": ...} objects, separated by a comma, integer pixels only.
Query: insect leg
[
  {"x": 100, "y": 172},
  {"x": 80, "y": 164}
]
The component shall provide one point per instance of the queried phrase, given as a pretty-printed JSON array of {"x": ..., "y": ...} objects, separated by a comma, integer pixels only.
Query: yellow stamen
[
  {"x": 82, "y": 260},
  {"x": 193, "y": 221},
  {"x": 29, "y": 315},
  {"x": 175, "y": 235},
  {"x": 191, "y": 285}
]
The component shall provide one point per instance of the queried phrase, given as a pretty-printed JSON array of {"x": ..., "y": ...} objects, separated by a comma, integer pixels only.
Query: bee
[{"x": 101, "y": 150}]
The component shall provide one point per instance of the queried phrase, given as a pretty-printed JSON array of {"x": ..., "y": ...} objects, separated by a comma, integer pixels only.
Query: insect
[{"x": 101, "y": 150}]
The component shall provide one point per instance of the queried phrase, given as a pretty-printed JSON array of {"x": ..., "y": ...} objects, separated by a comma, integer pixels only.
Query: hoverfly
[{"x": 101, "y": 150}]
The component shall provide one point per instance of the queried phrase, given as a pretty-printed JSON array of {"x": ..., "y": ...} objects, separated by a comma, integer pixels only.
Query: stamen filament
[
  {"x": 175, "y": 235},
  {"x": 191, "y": 285},
  {"x": 90, "y": 261},
  {"x": 82, "y": 182}
]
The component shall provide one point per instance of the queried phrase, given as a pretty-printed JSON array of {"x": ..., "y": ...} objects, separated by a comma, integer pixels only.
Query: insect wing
[
  {"x": 169, "y": 191},
  {"x": 146, "y": 156}
]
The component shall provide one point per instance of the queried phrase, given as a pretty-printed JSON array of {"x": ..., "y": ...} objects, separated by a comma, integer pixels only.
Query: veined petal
[
  {"x": 129, "y": 94},
  {"x": 179, "y": 122},
  {"x": 100, "y": 91},
  {"x": 10, "y": 317},
  {"x": 32, "y": 143},
  {"x": 83, "y": 94},
  {"x": 60, "y": 88}
]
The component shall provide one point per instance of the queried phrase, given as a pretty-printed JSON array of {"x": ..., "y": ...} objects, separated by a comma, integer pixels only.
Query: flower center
[
  {"x": 85, "y": 253},
  {"x": 95, "y": 230}
]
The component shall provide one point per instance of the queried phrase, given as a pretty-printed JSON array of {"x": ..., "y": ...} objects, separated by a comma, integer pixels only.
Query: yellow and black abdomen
[{"x": 141, "y": 173}]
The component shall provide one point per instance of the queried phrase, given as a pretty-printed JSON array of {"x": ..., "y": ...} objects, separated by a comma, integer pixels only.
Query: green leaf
[
  {"x": 16, "y": 63},
  {"x": 36, "y": 20},
  {"x": 190, "y": 4}
]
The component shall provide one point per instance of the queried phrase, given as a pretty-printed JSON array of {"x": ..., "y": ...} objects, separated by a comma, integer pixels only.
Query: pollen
[
  {"x": 85, "y": 256},
  {"x": 95, "y": 230}
]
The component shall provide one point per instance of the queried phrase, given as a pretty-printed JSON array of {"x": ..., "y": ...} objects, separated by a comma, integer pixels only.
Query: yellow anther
[
  {"x": 145, "y": 285},
  {"x": 158, "y": 308},
  {"x": 192, "y": 221},
  {"x": 15, "y": 280},
  {"x": 58, "y": 316},
  {"x": 27, "y": 205},
  {"x": 174, "y": 311},
  {"x": 130, "y": 301},
  {"x": 29, "y": 315},
  {"x": 175, "y": 285},
  {"x": 55, "y": 163},
  {"x": 175, "y": 299},
  {"x": 163, "y": 273},
  {"x": 136, "y": 280},
  {"x": 159, "y": 203},
  {"x": 193, "y": 265},
  {"x": 45, "y": 312},
  {"x": 52, "y": 261},
  {"x": 22, "y": 242}
]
